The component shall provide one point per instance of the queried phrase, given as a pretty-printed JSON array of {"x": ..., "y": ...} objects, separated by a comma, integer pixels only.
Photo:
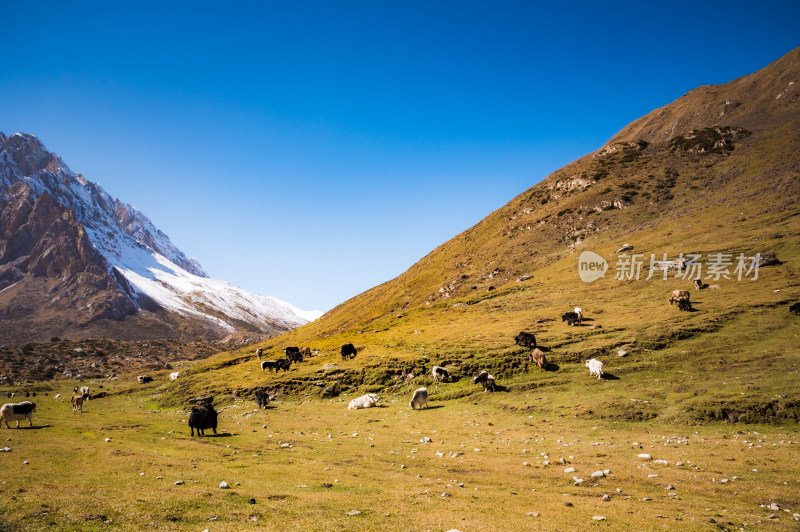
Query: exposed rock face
[{"x": 76, "y": 262}]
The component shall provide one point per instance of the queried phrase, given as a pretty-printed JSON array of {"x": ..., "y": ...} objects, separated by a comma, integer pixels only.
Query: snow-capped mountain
[{"x": 69, "y": 246}]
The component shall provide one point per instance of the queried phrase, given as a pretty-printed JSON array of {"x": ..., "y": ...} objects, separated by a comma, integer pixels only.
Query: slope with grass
[
  {"x": 716, "y": 172},
  {"x": 710, "y": 395}
]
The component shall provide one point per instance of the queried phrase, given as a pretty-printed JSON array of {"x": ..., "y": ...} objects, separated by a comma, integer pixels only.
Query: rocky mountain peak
[{"x": 73, "y": 258}]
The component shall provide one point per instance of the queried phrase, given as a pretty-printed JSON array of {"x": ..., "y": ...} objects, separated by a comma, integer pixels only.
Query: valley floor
[{"x": 475, "y": 463}]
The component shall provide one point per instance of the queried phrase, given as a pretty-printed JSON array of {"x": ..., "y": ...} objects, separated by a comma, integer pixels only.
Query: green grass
[
  {"x": 75, "y": 480},
  {"x": 716, "y": 389}
]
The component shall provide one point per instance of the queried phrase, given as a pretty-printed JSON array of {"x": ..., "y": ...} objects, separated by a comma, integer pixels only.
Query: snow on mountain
[
  {"x": 217, "y": 301},
  {"x": 134, "y": 248}
]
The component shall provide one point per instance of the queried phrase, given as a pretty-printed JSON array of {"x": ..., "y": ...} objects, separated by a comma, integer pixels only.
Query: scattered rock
[
  {"x": 645, "y": 456},
  {"x": 532, "y": 514},
  {"x": 569, "y": 470},
  {"x": 606, "y": 497},
  {"x": 223, "y": 485},
  {"x": 599, "y": 518},
  {"x": 179, "y": 483},
  {"x": 626, "y": 247},
  {"x": 353, "y": 512},
  {"x": 446, "y": 494},
  {"x": 622, "y": 353},
  {"x": 598, "y": 474}
]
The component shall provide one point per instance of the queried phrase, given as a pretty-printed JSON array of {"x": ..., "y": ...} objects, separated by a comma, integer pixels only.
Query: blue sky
[{"x": 312, "y": 150}]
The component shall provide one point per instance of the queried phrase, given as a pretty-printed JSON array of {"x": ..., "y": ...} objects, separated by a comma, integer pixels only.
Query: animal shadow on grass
[
  {"x": 35, "y": 427},
  {"x": 610, "y": 377},
  {"x": 433, "y": 407},
  {"x": 552, "y": 366},
  {"x": 220, "y": 435}
]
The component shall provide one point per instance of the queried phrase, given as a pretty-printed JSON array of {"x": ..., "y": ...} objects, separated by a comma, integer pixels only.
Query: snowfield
[{"x": 210, "y": 299}]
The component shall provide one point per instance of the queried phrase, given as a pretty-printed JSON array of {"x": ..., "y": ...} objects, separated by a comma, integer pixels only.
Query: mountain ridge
[{"x": 102, "y": 264}]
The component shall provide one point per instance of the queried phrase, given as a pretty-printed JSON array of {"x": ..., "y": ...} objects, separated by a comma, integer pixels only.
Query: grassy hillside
[
  {"x": 712, "y": 392},
  {"x": 731, "y": 186}
]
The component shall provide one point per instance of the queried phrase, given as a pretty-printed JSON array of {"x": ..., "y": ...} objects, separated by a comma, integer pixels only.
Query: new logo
[{"x": 591, "y": 266}]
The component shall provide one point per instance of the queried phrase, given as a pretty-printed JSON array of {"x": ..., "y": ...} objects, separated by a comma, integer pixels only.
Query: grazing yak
[
  {"x": 348, "y": 351},
  {"x": 262, "y": 398},
  {"x": 525, "y": 339},
  {"x": 537, "y": 356},
  {"x": 486, "y": 380},
  {"x": 293, "y": 354},
  {"x": 17, "y": 412},
  {"x": 174, "y": 375},
  {"x": 419, "y": 398},
  {"x": 595, "y": 367},
  {"x": 684, "y": 304},
  {"x": 201, "y": 418},
  {"x": 440, "y": 374},
  {"x": 84, "y": 391},
  {"x": 271, "y": 364},
  {"x": 678, "y": 295},
  {"x": 571, "y": 318},
  {"x": 579, "y": 312},
  {"x": 283, "y": 364},
  {"x": 305, "y": 351},
  {"x": 365, "y": 401},
  {"x": 698, "y": 284},
  {"x": 795, "y": 308},
  {"x": 144, "y": 379},
  {"x": 77, "y": 403}
]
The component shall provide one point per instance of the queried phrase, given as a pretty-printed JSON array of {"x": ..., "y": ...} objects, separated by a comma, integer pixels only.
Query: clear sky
[{"x": 312, "y": 150}]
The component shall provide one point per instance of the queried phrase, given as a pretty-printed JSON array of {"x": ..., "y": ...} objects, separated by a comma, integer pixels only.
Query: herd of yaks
[{"x": 203, "y": 416}]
